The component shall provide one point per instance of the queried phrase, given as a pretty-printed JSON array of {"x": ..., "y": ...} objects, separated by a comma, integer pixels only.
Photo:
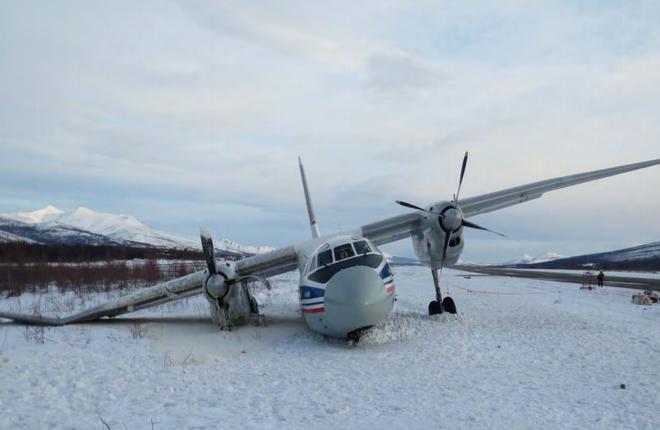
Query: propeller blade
[
  {"x": 470, "y": 224},
  {"x": 209, "y": 253},
  {"x": 412, "y": 206},
  {"x": 460, "y": 181},
  {"x": 445, "y": 246}
]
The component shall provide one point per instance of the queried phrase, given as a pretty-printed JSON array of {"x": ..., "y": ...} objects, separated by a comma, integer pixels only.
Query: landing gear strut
[{"x": 440, "y": 305}]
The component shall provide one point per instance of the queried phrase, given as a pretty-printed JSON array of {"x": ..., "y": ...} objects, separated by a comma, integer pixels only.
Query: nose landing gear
[{"x": 440, "y": 305}]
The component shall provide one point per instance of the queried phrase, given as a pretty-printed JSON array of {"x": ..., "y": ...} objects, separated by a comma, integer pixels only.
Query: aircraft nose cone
[{"x": 355, "y": 298}]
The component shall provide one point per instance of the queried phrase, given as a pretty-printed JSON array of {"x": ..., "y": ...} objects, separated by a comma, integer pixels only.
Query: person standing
[{"x": 601, "y": 278}]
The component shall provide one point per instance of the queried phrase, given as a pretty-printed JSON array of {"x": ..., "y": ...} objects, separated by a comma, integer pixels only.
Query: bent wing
[
  {"x": 169, "y": 291},
  {"x": 263, "y": 265},
  {"x": 516, "y": 195}
]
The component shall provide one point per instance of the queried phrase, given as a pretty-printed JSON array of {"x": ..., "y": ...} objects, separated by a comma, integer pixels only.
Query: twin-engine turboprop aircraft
[{"x": 346, "y": 285}]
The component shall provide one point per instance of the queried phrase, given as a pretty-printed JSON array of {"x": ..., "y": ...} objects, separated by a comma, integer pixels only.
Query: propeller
[
  {"x": 209, "y": 252},
  {"x": 470, "y": 224},
  {"x": 460, "y": 181},
  {"x": 216, "y": 283},
  {"x": 451, "y": 218},
  {"x": 412, "y": 206}
]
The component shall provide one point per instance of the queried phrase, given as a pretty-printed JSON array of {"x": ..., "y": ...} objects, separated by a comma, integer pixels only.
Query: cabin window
[
  {"x": 362, "y": 247},
  {"x": 343, "y": 252},
  {"x": 325, "y": 258},
  {"x": 312, "y": 265}
]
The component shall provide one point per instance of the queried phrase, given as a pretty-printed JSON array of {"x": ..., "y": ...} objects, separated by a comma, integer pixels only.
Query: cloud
[
  {"x": 203, "y": 107},
  {"x": 399, "y": 76}
]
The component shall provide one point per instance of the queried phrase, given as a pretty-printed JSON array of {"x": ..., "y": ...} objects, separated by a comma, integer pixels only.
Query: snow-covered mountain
[
  {"x": 642, "y": 257},
  {"x": 529, "y": 259},
  {"x": 51, "y": 225},
  {"x": 401, "y": 261},
  {"x": 40, "y": 215}
]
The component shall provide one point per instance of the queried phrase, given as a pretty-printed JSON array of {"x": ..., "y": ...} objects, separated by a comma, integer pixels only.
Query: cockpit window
[
  {"x": 325, "y": 258},
  {"x": 343, "y": 252},
  {"x": 312, "y": 265},
  {"x": 361, "y": 247}
]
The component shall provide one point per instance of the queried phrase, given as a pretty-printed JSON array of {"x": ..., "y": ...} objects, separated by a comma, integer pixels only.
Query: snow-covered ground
[{"x": 521, "y": 354}]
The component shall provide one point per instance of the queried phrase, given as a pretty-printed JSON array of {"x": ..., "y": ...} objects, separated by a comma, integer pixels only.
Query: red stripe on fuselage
[{"x": 314, "y": 311}]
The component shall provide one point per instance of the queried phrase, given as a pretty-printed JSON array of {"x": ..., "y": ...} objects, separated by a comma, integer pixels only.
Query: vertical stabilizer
[{"x": 310, "y": 209}]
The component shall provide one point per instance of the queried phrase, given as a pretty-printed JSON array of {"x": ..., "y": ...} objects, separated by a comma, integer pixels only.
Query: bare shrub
[
  {"x": 18, "y": 278},
  {"x": 138, "y": 331},
  {"x": 35, "y": 334}
]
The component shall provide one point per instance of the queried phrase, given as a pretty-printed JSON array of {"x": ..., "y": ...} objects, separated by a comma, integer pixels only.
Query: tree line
[
  {"x": 26, "y": 267},
  {"x": 22, "y": 252}
]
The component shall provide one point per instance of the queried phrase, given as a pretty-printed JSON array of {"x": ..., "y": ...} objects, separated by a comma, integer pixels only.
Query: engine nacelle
[{"x": 428, "y": 243}]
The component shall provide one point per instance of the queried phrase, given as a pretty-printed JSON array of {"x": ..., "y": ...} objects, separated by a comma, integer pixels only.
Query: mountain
[
  {"x": 642, "y": 257},
  {"x": 401, "y": 261},
  {"x": 40, "y": 215},
  {"x": 51, "y": 225},
  {"x": 528, "y": 259}
]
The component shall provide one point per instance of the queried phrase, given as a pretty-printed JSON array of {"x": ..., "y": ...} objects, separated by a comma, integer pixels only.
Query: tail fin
[{"x": 310, "y": 209}]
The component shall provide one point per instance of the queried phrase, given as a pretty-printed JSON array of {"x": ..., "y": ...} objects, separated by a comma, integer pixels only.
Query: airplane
[{"x": 346, "y": 285}]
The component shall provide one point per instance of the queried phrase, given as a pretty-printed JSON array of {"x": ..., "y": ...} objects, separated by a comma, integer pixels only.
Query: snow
[
  {"x": 40, "y": 215},
  {"x": 521, "y": 354}
]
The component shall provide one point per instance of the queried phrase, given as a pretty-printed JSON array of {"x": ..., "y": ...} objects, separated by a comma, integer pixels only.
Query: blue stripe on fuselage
[
  {"x": 311, "y": 292},
  {"x": 385, "y": 271}
]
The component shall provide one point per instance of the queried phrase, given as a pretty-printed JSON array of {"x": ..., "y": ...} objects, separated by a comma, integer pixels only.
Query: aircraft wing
[
  {"x": 169, "y": 291},
  {"x": 262, "y": 265},
  {"x": 402, "y": 226},
  {"x": 516, "y": 195},
  {"x": 392, "y": 229},
  {"x": 269, "y": 264}
]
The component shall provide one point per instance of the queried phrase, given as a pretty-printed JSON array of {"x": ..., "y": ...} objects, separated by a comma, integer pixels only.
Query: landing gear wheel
[
  {"x": 435, "y": 308},
  {"x": 448, "y": 305}
]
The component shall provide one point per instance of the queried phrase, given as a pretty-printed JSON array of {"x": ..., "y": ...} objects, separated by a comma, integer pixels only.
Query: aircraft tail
[{"x": 310, "y": 209}]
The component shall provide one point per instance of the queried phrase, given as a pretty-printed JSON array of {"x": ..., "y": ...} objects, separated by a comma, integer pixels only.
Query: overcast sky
[{"x": 189, "y": 114}]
